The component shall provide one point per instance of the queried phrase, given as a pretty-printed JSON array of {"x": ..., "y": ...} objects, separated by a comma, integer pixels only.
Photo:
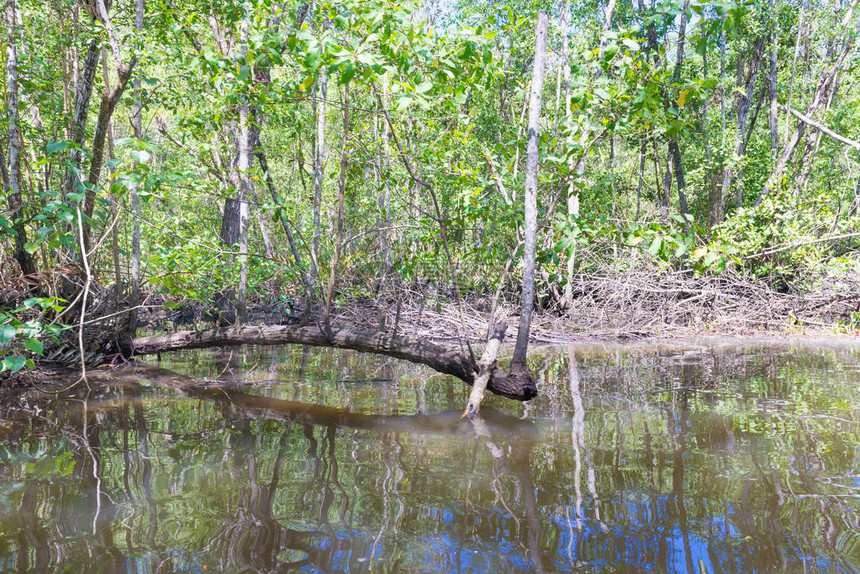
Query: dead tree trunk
[
  {"x": 518, "y": 363},
  {"x": 446, "y": 360}
]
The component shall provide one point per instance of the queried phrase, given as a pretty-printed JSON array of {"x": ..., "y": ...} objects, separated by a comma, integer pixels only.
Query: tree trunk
[
  {"x": 607, "y": 24},
  {"x": 772, "y": 88},
  {"x": 797, "y": 42},
  {"x": 78, "y": 128},
  {"x": 338, "y": 218},
  {"x": 230, "y": 226},
  {"x": 518, "y": 363},
  {"x": 714, "y": 197},
  {"x": 282, "y": 216},
  {"x": 572, "y": 191},
  {"x": 137, "y": 125},
  {"x": 319, "y": 171},
  {"x": 641, "y": 178},
  {"x": 16, "y": 203},
  {"x": 722, "y": 95},
  {"x": 443, "y": 359},
  {"x": 106, "y": 109},
  {"x": 383, "y": 201},
  {"x": 743, "y": 101},
  {"x": 243, "y": 166},
  {"x": 674, "y": 148}
]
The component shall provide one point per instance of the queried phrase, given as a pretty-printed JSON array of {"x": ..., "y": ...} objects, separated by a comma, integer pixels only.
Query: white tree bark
[{"x": 530, "y": 199}]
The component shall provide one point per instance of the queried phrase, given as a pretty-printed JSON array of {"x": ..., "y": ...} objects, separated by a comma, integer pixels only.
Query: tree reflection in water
[{"x": 673, "y": 462}]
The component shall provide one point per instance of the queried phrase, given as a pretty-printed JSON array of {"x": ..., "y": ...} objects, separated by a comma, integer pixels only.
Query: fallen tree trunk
[{"x": 517, "y": 386}]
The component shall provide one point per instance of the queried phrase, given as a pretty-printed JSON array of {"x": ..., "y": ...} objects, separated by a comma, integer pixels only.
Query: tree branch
[{"x": 810, "y": 122}]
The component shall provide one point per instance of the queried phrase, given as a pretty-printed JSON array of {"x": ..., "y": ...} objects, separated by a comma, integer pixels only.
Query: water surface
[{"x": 687, "y": 457}]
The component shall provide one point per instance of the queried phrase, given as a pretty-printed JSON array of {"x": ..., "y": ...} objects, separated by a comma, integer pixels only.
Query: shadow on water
[{"x": 693, "y": 459}]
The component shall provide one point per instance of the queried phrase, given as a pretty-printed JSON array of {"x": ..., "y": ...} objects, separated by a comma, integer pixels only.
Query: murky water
[{"x": 699, "y": 457}]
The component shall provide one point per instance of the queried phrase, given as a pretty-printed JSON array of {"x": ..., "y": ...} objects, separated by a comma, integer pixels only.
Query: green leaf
[
  {"x": 34, "y": 346},
  {"x": 309, "y": 81},
  {"x": 632, "y": 45},
  {"x": 424, "y": 86},
  {"x": 141, "y": 156},
  {"x": 54, "y": 147},
  {"x": 7, "y": 333},
  {"x": 610, "y": 51},
  {"x": 601, "y": 93},
  {"x": 31, "y": 247},
  {"x": 654, "y": 248},
  {"x": 14, "y": 363},
  {"x": 348, "y": 73},
  {"x": 561, "y": 245}
]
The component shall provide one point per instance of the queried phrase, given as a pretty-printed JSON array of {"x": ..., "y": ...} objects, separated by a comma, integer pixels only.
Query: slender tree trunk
[
  {"x": 78, "y": 128},
  {"x": 772, "y": 87},
  {"x": 319, "y": 170},
  {"x": 106, "y": 109},
  {"x": 607, "y": 24},
  {"x": 722, "y": 91},
  {"x": 114, "y": 199},
  {"x": 264, "y": 227},
  {"x": 137, "y": 125},
  {"x": 243, "y": 166},
  {"x": 339, "y": 216},
  {"x": 572, "y": 191},
  {"x": 230, "y": 213},
  {"x": 743, "y": 101},
  {"x": 673, "y": 148},
  {"x": 282, "y": 215},
  {"x": 518, "y": 362},
  {"x": 383, "y": 201},
  {"x": 16, "y": 203},
  {"x": 642, "y": 152},
  {"x": 713, "y": 191},
  {"x": 797, "y": 43},
  {"x": 666, "y": 198}
]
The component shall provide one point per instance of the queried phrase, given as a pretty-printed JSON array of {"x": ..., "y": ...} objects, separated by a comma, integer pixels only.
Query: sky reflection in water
[{"x": 695, "y": 457}]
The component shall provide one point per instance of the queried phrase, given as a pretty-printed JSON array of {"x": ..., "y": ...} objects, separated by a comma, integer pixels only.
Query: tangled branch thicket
[
  {"x": 630, "y": 300},
  {"x": 647, "y": 301}
]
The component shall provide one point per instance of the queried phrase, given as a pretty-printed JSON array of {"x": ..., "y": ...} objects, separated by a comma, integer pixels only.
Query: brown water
[{"x": 697, "y": 457}]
